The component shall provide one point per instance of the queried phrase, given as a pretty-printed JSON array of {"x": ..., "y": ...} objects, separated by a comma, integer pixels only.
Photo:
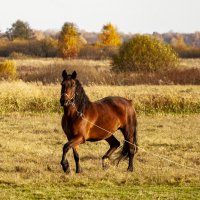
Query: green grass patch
[{"x": 101, "y": 192}]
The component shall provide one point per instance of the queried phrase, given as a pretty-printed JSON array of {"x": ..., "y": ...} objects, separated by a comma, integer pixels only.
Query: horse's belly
[{"x": 98, "y": 132}]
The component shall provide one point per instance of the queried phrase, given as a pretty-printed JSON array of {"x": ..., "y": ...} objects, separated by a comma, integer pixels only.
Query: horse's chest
[
  {"x": 66, "y": 128},
  {"x": 70, "y": 127}
]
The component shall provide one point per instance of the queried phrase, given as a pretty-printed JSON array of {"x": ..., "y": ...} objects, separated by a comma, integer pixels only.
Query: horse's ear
[
  {"x": 64, "y": 74},
  {"x": 74, "y": 74}
]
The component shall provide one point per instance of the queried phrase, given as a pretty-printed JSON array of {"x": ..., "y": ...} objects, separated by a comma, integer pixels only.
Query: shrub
[
  {"x": 144, "y": 53},
  {"x": 189, "y": 52},
  {"x": 8, "y": 69},
  {"x": 96, "y": 52},
  {"x": 18, "y": 55},
  {"x": 17, "y": 46},
  {"x": 49, "y": 47},
  {"x": 20, "y": 49}
]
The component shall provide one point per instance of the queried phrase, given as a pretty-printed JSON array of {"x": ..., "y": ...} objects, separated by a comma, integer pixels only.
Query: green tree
[
  {"x": 109, "y": 36},
  {"x": 144, "y": 53},
  {"x": 20, "y": 30},
  {"x": 69, "y": 41}
]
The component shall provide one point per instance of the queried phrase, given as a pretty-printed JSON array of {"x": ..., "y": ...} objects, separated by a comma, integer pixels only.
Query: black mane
[{"x": 81, "y": 99}]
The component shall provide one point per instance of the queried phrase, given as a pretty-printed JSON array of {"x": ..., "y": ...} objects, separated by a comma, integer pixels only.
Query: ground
[{"x": 31, "y": 148}]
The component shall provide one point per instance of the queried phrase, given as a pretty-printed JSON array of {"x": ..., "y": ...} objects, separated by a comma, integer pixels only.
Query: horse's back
[
  {"x": 115, "y": 102},
  {"x": 119, "y": 106}
]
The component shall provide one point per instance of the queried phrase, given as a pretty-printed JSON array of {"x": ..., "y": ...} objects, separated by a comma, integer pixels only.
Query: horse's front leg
[
  {"x": 76, "y": 158},
  {"x": 71, "y": 144},
  {"x": 64, "y": 162}
]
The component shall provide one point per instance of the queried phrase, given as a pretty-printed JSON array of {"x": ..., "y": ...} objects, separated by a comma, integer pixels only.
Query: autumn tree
[
  {"x": 20, "y": 30},
  {"x": 69, "y": 43},
  {"x": 109, "y": 36}
]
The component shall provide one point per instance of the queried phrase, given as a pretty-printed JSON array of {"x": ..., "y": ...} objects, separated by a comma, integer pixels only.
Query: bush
[
  {"x": 144, "y": 53},
  {"x": 97, "y": 53},
  {"x": 189, "y": 52},
  {"x": 29, "y": 48},
  {"x": 8, "y": 69},
  {"x": 18, "y": 55}
]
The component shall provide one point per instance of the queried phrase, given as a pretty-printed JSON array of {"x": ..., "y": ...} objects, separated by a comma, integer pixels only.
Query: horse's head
[{"x": 68, "y": 88}]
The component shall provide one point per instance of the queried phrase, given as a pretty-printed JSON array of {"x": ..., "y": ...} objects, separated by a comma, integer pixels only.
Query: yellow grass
[
  {"x": 35, "y": 97},
  {"x": 98, "y": 72},
  {"x": 31, "y": 149}
]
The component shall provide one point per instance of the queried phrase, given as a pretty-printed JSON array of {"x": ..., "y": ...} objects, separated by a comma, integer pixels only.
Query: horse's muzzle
[{"x": 64, "y": 102}]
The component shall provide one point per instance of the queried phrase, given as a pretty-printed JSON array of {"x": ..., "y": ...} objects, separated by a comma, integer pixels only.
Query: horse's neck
[{"x": 82, "y": 101}]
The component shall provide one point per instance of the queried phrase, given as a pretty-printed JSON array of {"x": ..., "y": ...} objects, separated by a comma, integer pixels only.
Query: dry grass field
[
  {"x": 31, "y": 148},
  {"x": 32, "y": 139},
  {"x": 98, "y": 72}
]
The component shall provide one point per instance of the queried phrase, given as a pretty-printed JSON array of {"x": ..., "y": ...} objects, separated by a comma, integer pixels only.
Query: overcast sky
[{"x": 129, "y": 16}]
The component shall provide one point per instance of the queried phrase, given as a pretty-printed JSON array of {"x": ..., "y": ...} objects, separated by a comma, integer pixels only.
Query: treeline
[
  {"x": 186, "y": 45},
  {"x": 21, "y": 41},
  {"x": 21, "y": 48},
  {"x": 48, "y": 47}
]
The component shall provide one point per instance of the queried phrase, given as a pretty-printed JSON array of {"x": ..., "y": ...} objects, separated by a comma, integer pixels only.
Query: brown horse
[{"x": 84, "y": 120}]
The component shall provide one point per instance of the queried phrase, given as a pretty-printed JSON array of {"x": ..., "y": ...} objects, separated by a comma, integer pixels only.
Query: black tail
[
  {"x": 127, "y": 144},
  {"x": 124, "y": 153},
  {"x": 125, "y": 148}
]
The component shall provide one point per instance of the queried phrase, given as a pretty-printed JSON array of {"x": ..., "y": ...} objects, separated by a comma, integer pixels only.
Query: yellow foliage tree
[
  {"x": 109, "y": 36},
  {"x": 68, "y": 42}
]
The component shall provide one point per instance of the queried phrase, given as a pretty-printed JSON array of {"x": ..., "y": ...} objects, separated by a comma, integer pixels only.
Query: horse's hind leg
[
  {"x": 114, "y": 144},
  {"x": 128, "y": 148},
  {"x": 132, "y": 149},
  {"x": 131, "y": 156}
]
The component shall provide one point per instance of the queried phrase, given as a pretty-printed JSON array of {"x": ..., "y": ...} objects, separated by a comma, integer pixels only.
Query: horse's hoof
[
  {"x": 78, "y": 171},
  {"x": 66, "y": 170},
  {"x": 130, "y": 169},
  {"x": 65, "y": 166}
]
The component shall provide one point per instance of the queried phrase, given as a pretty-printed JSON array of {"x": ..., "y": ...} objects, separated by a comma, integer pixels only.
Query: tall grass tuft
[{"x": 8, "y": 69}]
